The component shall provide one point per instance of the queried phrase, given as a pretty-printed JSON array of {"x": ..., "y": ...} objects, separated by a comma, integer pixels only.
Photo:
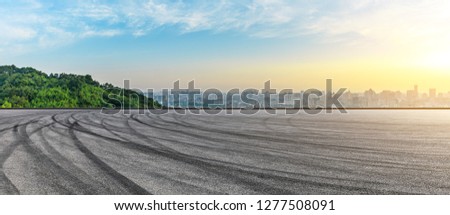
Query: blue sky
[{"x": 226, "y": 43}]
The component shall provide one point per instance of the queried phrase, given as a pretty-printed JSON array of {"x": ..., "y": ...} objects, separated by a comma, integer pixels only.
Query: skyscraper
[{"x": 432, "y": 93}]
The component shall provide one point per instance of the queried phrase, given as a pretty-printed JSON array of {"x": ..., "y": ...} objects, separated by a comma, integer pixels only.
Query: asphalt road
[{"x": 362, "y": 152}]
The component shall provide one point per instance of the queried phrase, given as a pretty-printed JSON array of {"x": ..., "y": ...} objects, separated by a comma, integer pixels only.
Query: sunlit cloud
[{"x": 396, "y": 22}]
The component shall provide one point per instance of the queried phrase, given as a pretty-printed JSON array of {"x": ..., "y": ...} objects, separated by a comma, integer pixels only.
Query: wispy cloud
[
  {"x": 394, "y": 22},
  {"x": 43, "y": 24}
]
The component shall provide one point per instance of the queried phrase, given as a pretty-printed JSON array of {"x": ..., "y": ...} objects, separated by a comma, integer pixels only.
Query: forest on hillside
[{"x": 30, "y": 88}]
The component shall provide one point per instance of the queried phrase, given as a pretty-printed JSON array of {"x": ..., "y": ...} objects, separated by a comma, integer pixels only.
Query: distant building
[
  {"x": 413, "y": 94},
  {"x": 371, "y": 98},
  {"x": 432, "y": 93},
  {"x": 367, "y": 99}
]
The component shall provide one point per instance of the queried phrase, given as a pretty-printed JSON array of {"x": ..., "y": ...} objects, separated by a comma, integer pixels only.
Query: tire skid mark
[
  {"x": 100, "y": 125},
  {"x": 218, "y": 169},
  {"x": 384, "y": 164},
  {"x": 293, "y": 143},
  {"x": 212, "y": 139},
  {"x": 128, "y": 184},
  {"x": 67, "y": 164},
  {"x": 192, "y": 126},
  {"x": 7, "y": 184},
  {"x": 164, "y": 147},
  {"x": 249, "y": 148},
  {"x": 170, "y": 150},
  {"x": 260, "y": 180},
  {"x": 257, "y": 186},
  {"x": 108, "y": 189},
  {"x": 54, "y": 174},
  {"x": 160, "y": 138},
  {"x": 128, "y": 128}
]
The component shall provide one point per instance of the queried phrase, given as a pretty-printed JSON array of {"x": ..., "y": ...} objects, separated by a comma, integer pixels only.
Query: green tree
[
  {"x": 30, "y": 88},
  {"x": 54, "y": 98},
  {"x": 6, "y": 104}
]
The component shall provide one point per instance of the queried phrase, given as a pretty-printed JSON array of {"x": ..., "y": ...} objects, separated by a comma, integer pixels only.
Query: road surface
[{"x": 362, "y": 152}]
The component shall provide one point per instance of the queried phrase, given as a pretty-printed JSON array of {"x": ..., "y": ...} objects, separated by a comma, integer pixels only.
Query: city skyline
[{"x": 189, "y": 98}]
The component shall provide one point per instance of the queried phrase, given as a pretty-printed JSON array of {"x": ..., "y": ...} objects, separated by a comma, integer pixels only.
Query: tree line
[{"x": 30, "y": 88}]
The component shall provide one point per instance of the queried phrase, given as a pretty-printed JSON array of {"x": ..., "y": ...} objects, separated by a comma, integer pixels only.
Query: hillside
[{"x": 30, "y": 88}]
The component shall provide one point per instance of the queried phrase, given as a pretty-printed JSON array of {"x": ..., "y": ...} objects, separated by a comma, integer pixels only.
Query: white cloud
[
  {"x": 391, "y": 22},
  {"x": 101, "y": 33},
  {"x": 54, "y": 36},
  {"x": 94, "y": 12},
  {"x": 345, "y": 21},
  {"x": 9, "y": 32}
]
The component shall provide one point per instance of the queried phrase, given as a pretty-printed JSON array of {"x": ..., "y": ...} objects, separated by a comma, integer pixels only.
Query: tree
[
  {"x": 54, "y": 98},
  {"x": 6, "y": 104},
  {"x": 30, "y": 88}
]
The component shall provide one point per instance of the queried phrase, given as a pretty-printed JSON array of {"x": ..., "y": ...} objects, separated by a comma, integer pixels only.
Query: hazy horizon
[{"x": 383, "y": 45}]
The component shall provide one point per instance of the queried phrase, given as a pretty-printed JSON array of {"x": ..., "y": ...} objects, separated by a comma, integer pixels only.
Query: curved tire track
[{"x": 85, "y": 152}]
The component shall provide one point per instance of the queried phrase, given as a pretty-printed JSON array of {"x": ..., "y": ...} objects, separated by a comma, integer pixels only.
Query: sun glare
[{"x": 439, "y": 60}]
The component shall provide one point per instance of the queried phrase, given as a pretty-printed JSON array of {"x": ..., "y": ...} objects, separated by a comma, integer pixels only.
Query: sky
[{"x": 378, "y": 44}]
